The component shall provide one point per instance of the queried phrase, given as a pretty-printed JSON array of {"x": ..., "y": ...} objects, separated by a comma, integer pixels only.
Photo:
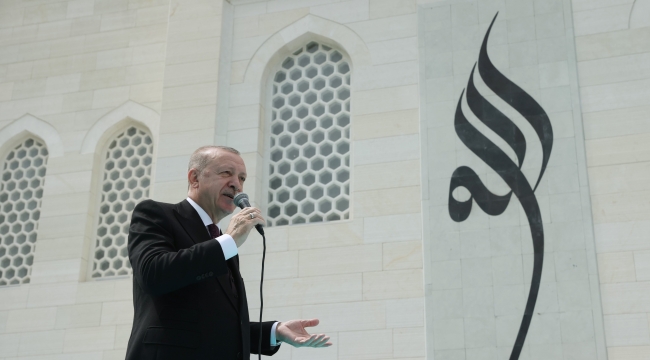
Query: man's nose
[{"x": 235, "y": 185}]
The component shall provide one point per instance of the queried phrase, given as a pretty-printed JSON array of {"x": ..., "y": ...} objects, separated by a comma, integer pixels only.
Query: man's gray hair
[{"x": 202, "y": 156}]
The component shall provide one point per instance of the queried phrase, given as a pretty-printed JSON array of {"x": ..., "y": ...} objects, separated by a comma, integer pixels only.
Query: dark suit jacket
[{"x": 183, "y": 300}]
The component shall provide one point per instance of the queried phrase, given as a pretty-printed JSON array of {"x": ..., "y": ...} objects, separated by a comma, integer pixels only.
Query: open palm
[{"x": 293, "y": 332}]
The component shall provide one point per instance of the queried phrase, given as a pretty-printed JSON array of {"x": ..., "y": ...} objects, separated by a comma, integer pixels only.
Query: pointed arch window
[
  {"x": 21, "y": 191},
  {"x": 309, "y": 164},
  {"x": 126, "y": 180}
]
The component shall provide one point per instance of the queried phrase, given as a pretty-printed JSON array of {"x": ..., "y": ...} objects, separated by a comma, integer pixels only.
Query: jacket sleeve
[
  {"x": 267, "y": 349},
  {"x": 158, "y": 266}
]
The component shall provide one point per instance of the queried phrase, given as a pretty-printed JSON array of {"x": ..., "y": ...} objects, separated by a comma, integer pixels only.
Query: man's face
[{"x": 221, "y": 179}]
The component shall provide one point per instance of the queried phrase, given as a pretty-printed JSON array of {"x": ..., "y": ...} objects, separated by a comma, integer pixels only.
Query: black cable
[{"x": 259, "y": 347}]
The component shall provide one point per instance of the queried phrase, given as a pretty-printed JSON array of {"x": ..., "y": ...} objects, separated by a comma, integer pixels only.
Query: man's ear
[{"x": 193, "y": 178}]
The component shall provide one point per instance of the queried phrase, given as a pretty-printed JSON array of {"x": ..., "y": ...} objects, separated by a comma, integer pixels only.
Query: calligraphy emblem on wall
[{"x": 501, "y": 163}]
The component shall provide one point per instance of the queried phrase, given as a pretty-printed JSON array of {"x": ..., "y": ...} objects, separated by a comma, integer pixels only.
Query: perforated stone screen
[
  {"x": 309, "y": 175},
  {"x": 21, "y": 190},
  {"x": 125, "y": 182}
]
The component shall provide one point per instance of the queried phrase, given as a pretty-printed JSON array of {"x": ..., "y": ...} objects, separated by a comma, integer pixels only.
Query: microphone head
[{"x": 241, "y": 200}]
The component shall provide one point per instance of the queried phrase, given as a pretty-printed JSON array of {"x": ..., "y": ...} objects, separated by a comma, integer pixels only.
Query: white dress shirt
[{"x": 229, "y": 248}]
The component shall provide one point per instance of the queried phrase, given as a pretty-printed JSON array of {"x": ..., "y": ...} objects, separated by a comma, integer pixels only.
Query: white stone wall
[
  {"x": 612, "y": 51},
  {"x": 479, "y": 272},
  {"x": 361, "y": 277},
  {"x": 193, "y": 72},
  {"x": 74, "y": 73}
]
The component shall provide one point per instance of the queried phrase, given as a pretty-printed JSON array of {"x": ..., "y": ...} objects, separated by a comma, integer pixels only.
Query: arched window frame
[
  {"x": 98, "y": 187},
  {"x": 344, "y": 199},
  {"x": 22, "y": 259}
]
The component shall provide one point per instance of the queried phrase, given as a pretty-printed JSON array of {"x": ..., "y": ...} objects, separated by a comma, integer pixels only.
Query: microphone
[{"x": 241, "y": 200}]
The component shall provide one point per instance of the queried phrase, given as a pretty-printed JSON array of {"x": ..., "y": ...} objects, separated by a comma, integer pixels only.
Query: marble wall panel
[{"x": 480, "y": 268}]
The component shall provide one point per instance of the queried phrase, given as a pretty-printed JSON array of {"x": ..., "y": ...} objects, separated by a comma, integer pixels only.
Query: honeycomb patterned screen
[
  {"x": 125, "y": 182},
  {"x": 21, "y": 191},
  {"x": 309, "y": 175}
]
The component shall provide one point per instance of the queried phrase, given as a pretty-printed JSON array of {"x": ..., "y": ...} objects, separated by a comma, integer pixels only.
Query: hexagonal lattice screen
[
  {"x": 126, "y": 180},
  {"x": 309, "y": 175},
  {"x": 21, "y": 191}
]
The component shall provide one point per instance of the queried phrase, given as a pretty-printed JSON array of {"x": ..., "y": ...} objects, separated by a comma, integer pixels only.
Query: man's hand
[
  {"x": 293, "y": 332},
  {"x": 242, "y": 223}
]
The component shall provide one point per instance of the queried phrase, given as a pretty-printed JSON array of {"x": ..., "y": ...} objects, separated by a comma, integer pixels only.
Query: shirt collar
[{"x": 204, "y": 215}]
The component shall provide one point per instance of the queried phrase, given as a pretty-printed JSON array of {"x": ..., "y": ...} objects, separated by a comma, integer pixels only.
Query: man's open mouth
[{"x": 232, "y": 196}]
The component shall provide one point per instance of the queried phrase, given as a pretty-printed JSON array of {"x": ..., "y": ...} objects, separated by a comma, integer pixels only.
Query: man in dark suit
[{"x": 188, "y": 294}]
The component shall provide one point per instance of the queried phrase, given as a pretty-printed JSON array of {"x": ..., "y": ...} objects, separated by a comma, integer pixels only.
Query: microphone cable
[
  {"x": 259, "y": 347},
  {"x": 241, "y": 200}
]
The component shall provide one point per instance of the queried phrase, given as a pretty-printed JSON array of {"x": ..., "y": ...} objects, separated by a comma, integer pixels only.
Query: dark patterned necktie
[{"x": 215, "y": 233}]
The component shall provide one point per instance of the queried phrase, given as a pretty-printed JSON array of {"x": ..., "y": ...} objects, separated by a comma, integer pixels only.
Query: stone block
[
  {"x": 279, "y": 265},
  {"x": 192, "y": 50},
  {"x": 189, "y": 95},
  {"x": 386, "y": 100},
  {"x": 382, "y": 125},
  {"x": 617, "y": 267},
  {"x": 51, "y": 294},
  {"x": 26, "y": 320},
  {"x": 618, "y": 150},
  {"x": 480, "y": 332},
  {"x": 448, "y": 334},
  {"x": 626, "y": 298},
  {"x": 445, "y": 304},
  {"x": 479, "y": 302},
  {"x": 9, "y": 344},
  {"x": 41, "y": 342},
  {"x": 385, "y": 202},
  {"x": 394, "y": 284},
  {"x": 45, "y": 13},
  {"x": 334, "y": 234},
  {"x": 509, "y": 300},
  {"x": 183, "y": 143},
  {"x": 371, "y": 344},
  {"x": 628, "y": 352},
  {"x": 191, "y": 73},
  {"x": 150, "y": 15},
  {"x": 55, "y": 271},
  {"x": 627, "y": 330},
  {"x": 80, "y": 8},
  {"x": 384, "y": 150},
  {"x": 352, "y": 316},
  {"x": 13, "y": 298},
  {"x": 577, "y": 327},
  {"x": 409, "y": 342},
  {"x": 380, "y": 29},
  {"x": 382, "y": 228},
  {"x": 116, "y": 313},
  {"x": 340, "y": 260},
  {"x": 122, "y": 335},
  {"x": 402, "y": 255},
  {"x": 405, "y": 313},
  {"x": 602, "y": 20},
  {"x": 81, "y": 315},
  {"x": 642, "y": 265},
  {"x": 382, "y": 175},
  {"x": 62, "y": 249},
  {"x": 394, "y": 50},
  {"x": 312, "y": 290},
  {"x": 89, "y": 339},
  {"x": 574, "y": 295},
  {"x": 147, "y": 94}
]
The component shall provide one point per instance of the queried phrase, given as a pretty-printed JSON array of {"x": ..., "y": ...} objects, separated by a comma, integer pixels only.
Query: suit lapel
[
  {"x": 193, "y": 225},
  {"x": 191, "y": 222}
]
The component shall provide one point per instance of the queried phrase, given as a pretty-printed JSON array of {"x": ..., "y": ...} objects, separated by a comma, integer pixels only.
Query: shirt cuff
[
  {"x": 274, "y": 341},
  {"x": 228, "y": 246}
]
